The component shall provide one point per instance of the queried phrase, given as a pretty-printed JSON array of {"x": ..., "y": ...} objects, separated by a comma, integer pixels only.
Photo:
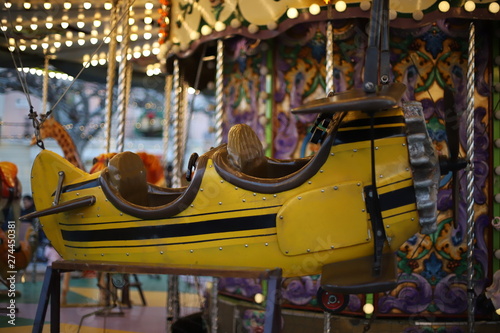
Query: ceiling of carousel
[{"x": 72, "y": 33}]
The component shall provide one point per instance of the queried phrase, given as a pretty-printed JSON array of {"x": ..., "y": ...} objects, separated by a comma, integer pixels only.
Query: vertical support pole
[
  {"x": 495, "y": 119},
  {"x": 214, "y": 309},
  {"x": 45, "y": 86},
  {"x": 269, "y": 99},
  {"x": 43, "y": 302},
  {"x": 272, "y": 323},
  {"x": 219, "y": 90},
  {"x": 471, "y": 301},
  {"x": 172, "y": 301},
  {"x": 184, "y": 120},
  {"x": 110, "y": 83},
  {"x": 166, "y": 121},
  {"x": 329, "y": 57},
  {"x": 176, "y": 171},
  {"x": 55, "y": 300},
  {"x": 327, "y": 316},
  {"x": 123, "y": 76}
]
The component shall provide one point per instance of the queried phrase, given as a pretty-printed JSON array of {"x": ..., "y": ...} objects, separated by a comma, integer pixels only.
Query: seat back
[
  {"x": 245, "y": 152},
  {"x": 128, "y": 175}
]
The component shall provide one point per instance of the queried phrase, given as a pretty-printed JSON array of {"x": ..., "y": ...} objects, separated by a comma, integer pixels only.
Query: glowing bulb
[
  {"x": 470, "y": 6},
  {"x": 258, "y": 298},
  {"x": 206, "y": 30},
  {"x": 67, "y": 5},
  {"x": 418, "y": 15},
  {"x": 314, "y": 9},
  {"x": 340, "y": 6},
  {"x": 444, "y": 6},
  {"x": 68, "y": 43},
  {"x": 108, "y": 5},
  {"x": 494, "y": 8},
  {"x": 368, "y": 308},
  {"x": 235, "y": 23},
  {"x": 27, "y": 5},
  {"x": 49, "y": 24},
  {"x": 148, "y": 20},
  {"x": 47, "y": 5},
  {"x": 8, "y": 4},
  {"x": 148, "y": 35},
  {"x": 148, "y": 5},
  {"x": 292, "y": 13},
  {"x": 219, "y": 26},
  {"x": 64, "y": 22},
  {"x": 365, "y": 5},
  {"x": 87, "y": 5}
]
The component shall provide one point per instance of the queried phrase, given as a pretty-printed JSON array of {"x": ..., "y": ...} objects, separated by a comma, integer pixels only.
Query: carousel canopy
[
  {"x": 185, "y": 24},
  {"x": 73, "y": 33}
]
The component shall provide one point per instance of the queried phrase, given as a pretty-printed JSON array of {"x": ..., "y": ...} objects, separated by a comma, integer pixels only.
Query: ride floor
[{"x": 82, "y": 301}]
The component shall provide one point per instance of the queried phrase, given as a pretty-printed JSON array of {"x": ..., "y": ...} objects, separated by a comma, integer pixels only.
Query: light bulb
[
  {"x": 341, "y": 6},
  {"x": 314, "y": 9},
  {"x": 444, "y": 6},
  {"x": 292, "y": 13},
  {"x": 494, "y": 7},
  {"x": 470, "y": 6}
]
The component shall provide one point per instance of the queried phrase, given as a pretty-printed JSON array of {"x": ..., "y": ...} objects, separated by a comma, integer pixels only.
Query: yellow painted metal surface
[
  {"x": 325, "y": 218},
  {"x": 111, "y": 235}
]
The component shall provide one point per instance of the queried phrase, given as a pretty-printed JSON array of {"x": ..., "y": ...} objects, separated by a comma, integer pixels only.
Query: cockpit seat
[
  {"x": 245, "y": 152},
  {"x": 127, "y": 174}
]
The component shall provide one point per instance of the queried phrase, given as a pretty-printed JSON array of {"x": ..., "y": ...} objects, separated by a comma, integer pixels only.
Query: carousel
[{"x": 352, "y": 173}]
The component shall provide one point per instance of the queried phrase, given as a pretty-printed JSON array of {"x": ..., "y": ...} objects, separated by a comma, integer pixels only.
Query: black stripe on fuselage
[
  {"x": 174, "y": 217},
  {"x": 378, "y": 121},
  {"x": 81, "y": 186},
  {"x": 351, "y": 136},
  {"x": 359, "y": 129},
  {"x": 172, "y": 230},
  {"x": 167, "y": 244},
  {"x": 397, "y": 198}
]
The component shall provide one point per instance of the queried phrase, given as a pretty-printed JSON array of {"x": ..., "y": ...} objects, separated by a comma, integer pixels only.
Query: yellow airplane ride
[{"x": 342, "y": 212}]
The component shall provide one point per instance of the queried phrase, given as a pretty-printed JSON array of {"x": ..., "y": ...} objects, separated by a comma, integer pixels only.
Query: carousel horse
[
  {"x": 154, "y": 169},
  {"x": 21, "y": 251}
]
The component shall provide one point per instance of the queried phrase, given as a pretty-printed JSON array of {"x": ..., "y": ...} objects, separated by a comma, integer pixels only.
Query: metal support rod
[
  {"x": 327, "y": 316},
  {"x": 166, "y": 120},
  {"x": 176, "y": 180},
  {"x": 219, "y": 90},
  {"x": 110, "y": 83},
  {"x": 184, "y": 120},
  {"x": 471, "y": 301},
  {"x": 173, "y": 304},
  {"x": 214, "y": 310},
  {"x": 329, "y": 58},
  {"x": 45, "y": 87},
  {"x": 123, "y": 76}
]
